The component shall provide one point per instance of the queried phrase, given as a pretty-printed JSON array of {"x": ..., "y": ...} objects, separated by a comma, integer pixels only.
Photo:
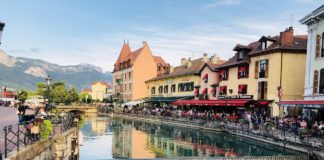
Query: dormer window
[
  {"x": 241, "y": 55},
  {"x": 263, "y": 45}
]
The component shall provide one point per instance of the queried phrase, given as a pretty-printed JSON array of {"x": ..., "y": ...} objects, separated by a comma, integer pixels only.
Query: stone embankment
[{"x": 61, "y": 147}]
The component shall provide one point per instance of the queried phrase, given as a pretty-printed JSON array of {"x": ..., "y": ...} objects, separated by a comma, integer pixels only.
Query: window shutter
[
  {"x": 259, "y": 90},
  {"x": 265, "y": 90},
  {"x": 267, "y": 68},
  {"x": 256, "y": 70},
  {"x": 315, "y": 84},
  {"x": 318, "y": 46}
]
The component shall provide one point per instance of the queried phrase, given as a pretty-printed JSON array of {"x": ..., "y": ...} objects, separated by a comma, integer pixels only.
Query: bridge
[{"x": 84, "y": 109}]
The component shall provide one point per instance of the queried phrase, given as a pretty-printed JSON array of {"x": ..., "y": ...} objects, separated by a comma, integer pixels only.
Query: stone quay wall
[{"x": 61, "y": 147}]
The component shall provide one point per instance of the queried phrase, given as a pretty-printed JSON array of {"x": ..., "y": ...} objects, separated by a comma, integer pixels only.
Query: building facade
[
  {"x": 184, "y": 81},
  {"x": 271, "y": 69},
  {"x": 98, "y": 90},
  {"x": 132, "y": 69},
  {"x": 314, "y": 79},
  {"x": 312, "y": 107}
]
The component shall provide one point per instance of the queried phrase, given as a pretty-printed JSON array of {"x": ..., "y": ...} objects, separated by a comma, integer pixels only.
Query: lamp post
[
  {"x": 48, "y": 80},
  {"x": 2, "y": 25}
]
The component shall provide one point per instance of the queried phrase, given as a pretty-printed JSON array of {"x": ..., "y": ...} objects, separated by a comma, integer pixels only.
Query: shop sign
[{"x": 236, "y": 97}]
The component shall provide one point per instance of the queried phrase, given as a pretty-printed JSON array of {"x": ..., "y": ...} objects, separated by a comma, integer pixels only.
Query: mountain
[{"x": 20, "y": 72}]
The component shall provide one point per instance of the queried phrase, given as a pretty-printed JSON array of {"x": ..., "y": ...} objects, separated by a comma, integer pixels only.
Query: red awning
[
  {"x": 237, "y": 103},
  {"x": 221, "y": 89},
  {"x": 200, "y": 102},
  {"x": 204, "y": 91},
  {"x": 221, "y": 72},
  {"x": 205, "y": 76},
  {"x": 242, "y": 69},
  {"x": 213, "y": 90},
  {"x": 241, "y": 87},
  {"x": 197, "y": 91},
  {"x": 303, "y": 103}
]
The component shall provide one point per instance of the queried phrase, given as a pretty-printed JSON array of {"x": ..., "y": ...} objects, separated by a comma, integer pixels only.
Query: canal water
[{"x": 109, "y": 138}]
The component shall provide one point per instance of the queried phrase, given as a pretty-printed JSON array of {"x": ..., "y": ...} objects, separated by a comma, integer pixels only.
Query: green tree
[
  {"x": 40, "y": 89},
  {"x": 22, "y": 95},
  {"x": 85, "y": 98},
  {"x": 58, "y": 92},
  {"x": 71, "y": 96}
]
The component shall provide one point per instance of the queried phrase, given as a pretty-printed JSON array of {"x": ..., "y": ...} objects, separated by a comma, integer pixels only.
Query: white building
[
  {"x": 314, "y": 81},
  {"x": 312, "y": 107}
]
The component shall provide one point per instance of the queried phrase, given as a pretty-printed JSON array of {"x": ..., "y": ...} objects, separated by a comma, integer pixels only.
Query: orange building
[{"x": 132, "y": 69}]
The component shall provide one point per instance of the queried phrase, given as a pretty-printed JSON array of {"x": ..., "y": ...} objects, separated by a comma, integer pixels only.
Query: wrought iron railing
[{"x": 19, "y": 135}]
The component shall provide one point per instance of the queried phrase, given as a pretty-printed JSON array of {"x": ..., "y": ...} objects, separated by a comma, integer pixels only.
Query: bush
[{"x": 46, "y": 129}]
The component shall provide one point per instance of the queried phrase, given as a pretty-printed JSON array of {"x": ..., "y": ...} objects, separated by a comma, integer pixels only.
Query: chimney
[
  {"x": 184, "y": 61},
  {"x": 171, "y": 69},
  {"x": 189, "y": 63},
  {"x": 144, "y": 43},
  {"x": 214, "y": 59},
  {"x": 205, "y": 57},
  {"x": 287, "y": 37}
]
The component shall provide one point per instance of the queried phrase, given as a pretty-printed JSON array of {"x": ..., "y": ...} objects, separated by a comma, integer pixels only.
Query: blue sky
[{"x": 71, "y": 32}]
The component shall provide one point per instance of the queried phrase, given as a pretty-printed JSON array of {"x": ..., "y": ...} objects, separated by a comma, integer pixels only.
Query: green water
[{"x": 107, "y": 138}]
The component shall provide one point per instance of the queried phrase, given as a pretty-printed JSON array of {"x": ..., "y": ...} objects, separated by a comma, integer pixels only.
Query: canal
[{"x": 108, "y": 138}]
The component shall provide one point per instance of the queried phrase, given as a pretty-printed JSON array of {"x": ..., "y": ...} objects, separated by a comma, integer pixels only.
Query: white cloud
[{"x": 217, "y": 3}]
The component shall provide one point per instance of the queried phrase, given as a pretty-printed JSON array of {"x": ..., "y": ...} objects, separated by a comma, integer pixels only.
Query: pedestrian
[{"x": 21, "y": 112}]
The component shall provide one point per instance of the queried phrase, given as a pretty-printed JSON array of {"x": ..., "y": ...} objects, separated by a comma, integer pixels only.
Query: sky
[{"x": 69, "y": 32}]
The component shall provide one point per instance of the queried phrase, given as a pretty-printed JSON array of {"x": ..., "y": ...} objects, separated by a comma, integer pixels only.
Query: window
[
  {"x": 322, "y": 48},
  {"x": 184, "y": 87},
  {"x": 321, "y": 84},
  {"x": 242, "y": 89},
  {"x": 223, "y": 75},
  {"x": 153, "y": 90},
  {"x": 129, "y": 75},
  {"x": 128, "y": 63},
  {"x": 166, "y": 89},
  {"x": 159, "y": 68},
  {"x": 263, "y": 71},
  {"x": 160, "y": 89},
  {"x": 130, "y": 86},
  {"x": 243, "y": 72},
  {"x": 263, "y": 45},
  {"x": 125, "y": 87},
  {"x": 173, "y": 88},
  {"x": 125, "y": 76},
  {"x": 262, "y": 90},
  {"x": 240, "y": 55},
  {"x": 222, "y": 90},
  {"x": 205, "y": 78}
]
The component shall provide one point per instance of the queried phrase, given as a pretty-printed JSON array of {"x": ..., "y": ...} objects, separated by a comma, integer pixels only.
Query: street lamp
[
  {"x": 2, "y": 25},
  {"x": 48, "y": 80}
]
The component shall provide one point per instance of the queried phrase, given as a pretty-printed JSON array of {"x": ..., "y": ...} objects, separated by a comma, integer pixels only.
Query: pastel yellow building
[
  {"x": 272, "y": 69},
  {"x": 98, "y": 89},
  {"x": 181, "y": 82},
  {"x": 132, "y": 69}
]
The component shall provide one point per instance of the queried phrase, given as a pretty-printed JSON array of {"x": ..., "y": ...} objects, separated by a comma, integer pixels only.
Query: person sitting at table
[{"x": 303, "y": 124}]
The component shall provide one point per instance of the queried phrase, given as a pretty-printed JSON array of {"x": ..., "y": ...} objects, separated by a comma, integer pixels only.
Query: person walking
[{"x": 21, "y": 112}]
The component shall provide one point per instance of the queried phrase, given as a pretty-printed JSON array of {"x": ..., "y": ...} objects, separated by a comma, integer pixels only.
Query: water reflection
[{"x": 120, "y": 138}]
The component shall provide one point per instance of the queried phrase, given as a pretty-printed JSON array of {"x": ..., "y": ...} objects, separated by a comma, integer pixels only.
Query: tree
[
  {"x": 22, "y": 95},
  {"x": 40, "y": 89},
  {"x": 85, "y": 98},
  {"x": 72, "y": 96},
  {"x": 58, "y": 92}
]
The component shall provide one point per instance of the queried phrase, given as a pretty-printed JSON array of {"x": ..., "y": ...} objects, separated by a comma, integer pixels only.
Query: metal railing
[{"x": 19, "y": 135}]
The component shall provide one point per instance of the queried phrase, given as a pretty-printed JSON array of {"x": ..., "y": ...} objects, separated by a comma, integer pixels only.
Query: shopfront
[{"x": 312, "y": 110}]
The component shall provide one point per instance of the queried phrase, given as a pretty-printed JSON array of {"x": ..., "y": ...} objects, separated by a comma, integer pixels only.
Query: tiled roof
[
  {"x": 299, "y": 45},
  {"x": 159, "y": 61},
  {"x": 195, "y": 68},
  {"x": 103, "y": 83},
  {"x": 124, "y": 53}
]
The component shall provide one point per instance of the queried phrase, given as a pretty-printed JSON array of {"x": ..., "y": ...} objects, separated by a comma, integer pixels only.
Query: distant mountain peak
[
  {"x": 7, "y": 60},
  {"x": 24, "y": 72}
]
